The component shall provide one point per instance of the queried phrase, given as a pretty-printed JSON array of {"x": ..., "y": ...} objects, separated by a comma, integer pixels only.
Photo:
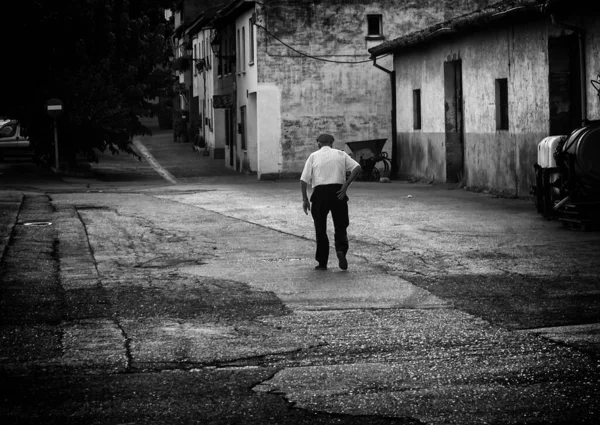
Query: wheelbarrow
[{"x": 368, "y": 153}]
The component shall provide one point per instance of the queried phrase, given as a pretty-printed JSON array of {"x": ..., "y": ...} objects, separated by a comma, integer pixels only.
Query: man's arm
[
  {"x": 305, "y": 179},
  {"x": 353, "y": 175},
  {"x": 305, "y": 201}
]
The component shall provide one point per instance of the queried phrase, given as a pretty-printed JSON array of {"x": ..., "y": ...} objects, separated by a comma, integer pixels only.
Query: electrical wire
[{"x": 310, "y": 56}]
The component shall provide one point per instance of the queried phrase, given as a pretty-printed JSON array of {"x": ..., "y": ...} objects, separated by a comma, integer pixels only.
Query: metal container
[
  {"x": 546, "y": 150},
  {"x": 583, "y": 146}
]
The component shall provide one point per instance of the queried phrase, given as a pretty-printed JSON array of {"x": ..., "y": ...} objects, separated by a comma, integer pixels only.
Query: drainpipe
[
  {"x": 392, "y": 75},
  {"x": 582, "y": 74}
]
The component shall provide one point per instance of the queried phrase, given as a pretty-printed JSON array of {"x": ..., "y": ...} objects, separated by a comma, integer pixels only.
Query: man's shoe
[
  {"x": 342, "y": 260},
  {"x": 320, "y": 267}
]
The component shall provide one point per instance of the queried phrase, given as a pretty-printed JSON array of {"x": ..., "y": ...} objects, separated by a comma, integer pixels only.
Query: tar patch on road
[
  {"x": 519, "y": 301},
  {"x": 162, "y": 295},
  {"x": 213, "y": 396}
]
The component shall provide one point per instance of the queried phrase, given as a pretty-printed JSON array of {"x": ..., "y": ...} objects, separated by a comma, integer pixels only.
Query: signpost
[{"x": 54, "y": 107}]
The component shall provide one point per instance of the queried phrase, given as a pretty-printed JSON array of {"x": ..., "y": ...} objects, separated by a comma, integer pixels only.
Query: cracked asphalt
[{"x": 147, "y": 302}]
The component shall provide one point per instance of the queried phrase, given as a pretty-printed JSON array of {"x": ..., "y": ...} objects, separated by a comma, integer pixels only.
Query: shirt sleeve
[
  {"x": 351, "y": 164},
  {"x": 307, "y": 172}
]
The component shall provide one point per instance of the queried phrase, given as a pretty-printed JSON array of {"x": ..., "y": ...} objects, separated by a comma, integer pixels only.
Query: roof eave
[
  {"x": 204, "y": 21},
  {"x": 232, "y": 9},
  {"x": 478, "y": 19}
]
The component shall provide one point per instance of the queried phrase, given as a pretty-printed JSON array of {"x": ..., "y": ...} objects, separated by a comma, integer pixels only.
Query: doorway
[
  {"x": 564, "y": 84},
  {"x": 453, "y": 107}
]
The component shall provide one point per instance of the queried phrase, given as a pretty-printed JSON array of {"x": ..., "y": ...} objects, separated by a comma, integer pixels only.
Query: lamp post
[{"x": 54, "y": 107}]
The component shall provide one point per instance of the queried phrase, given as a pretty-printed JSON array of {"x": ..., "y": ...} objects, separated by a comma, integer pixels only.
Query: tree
[{"x": 99, "y": 57}]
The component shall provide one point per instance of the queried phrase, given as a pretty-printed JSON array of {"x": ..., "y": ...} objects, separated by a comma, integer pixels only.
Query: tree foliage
[{"x": 99, "y": 57}]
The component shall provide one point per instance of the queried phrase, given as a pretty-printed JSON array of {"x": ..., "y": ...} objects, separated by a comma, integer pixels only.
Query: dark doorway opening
[
  {"x": 564, "y": 84},
  {"x": 453, "y": 106}
]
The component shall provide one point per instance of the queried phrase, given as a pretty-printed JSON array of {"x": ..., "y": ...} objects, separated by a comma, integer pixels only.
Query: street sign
[{"x": 54, "y": 107}]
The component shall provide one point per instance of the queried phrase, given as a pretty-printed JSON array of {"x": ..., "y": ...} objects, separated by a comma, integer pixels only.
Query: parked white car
[{"x": 13, "y": 137}]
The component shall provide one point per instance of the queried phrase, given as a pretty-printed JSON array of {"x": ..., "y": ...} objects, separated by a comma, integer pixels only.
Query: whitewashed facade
[
  {"x": 310, "y": 73},
  {"x": 519, "y": 80}
]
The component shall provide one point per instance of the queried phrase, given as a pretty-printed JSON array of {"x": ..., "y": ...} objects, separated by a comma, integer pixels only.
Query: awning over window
[{"x": 222, "y": 101}]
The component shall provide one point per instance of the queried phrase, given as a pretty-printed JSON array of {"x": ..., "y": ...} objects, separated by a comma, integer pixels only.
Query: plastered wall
[
  {"x": 269, "y": 131},
  {"x": 350, "y": 101},
  {"x": 246, "y": 84},
  {"x": 495, "y": 159},
  {"x": 503, "y": 159},
  {"x": 592, "y": 53}
]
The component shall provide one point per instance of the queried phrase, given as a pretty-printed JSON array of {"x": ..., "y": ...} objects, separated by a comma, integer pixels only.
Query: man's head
[{"x": 325, "y": 139}]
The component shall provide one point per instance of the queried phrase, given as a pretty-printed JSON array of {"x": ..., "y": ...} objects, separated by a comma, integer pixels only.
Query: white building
[
  {"x": 291, "y": 69},
  {"x": 476, "y": 94}
]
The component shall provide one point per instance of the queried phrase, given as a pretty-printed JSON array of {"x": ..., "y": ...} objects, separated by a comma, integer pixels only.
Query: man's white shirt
[{"x": 327, "y": 166}]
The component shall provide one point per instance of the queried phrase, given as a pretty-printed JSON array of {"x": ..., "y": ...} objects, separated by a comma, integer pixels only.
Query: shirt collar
[{"x": 325, "y": 147}]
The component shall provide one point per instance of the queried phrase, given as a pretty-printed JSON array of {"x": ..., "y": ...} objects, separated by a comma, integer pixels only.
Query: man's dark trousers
[{"x": 324, "y": 199}]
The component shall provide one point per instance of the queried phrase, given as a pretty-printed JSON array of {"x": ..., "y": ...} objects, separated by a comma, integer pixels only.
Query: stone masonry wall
[{"x": 350, "y": 101}]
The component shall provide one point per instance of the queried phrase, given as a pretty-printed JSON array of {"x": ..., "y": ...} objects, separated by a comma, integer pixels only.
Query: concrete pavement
[
  {"x": 420, "y": 231},
  {"x": 491, "y": 235},
  {"x": 438, "y": 318},
  {"x": 163, "y": 161}
]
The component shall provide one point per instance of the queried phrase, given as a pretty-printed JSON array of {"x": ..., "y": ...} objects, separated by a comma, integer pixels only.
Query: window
[
  {"x": 251, "y": 42},
  {"x": 224, "y": 55},
  {"x": 232, "y": 55},
  {"x": 374, "y": 26},
  {"x": 220, "y": 64},
  {"x": 243, "y": 54},
  {"x": 501, "y": 104},
  {"x": 227, "y": 67},
  {"x": 9, "y": 129},
  {"x": 417, "y": 109},
  {"x": 228, "y": 126},
  {"x": 239, "y": 53},
  {"x": 243, "y": 126}
]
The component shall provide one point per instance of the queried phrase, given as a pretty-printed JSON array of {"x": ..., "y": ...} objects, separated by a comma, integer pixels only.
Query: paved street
[{"x": 127, "y": 297}]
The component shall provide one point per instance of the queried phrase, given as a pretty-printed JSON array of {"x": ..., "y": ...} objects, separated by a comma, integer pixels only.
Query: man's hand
[
  {"x": 305, "y": 201},
  {"x": 306, "y": 206},
  {"x": 341, "y": 194}
]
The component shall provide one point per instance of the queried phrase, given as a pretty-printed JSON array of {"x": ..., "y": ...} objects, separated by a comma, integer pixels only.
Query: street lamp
[
  {"x": 215, "y": 44},
  {"x": 199, "y": 63}
]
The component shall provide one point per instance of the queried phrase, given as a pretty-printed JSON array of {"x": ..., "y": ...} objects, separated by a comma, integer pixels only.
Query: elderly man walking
[{"x": 325, "y": 170}]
